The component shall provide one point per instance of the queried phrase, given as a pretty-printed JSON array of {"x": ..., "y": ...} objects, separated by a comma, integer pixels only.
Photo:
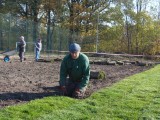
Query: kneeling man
[{"x": 74, "y": 72}]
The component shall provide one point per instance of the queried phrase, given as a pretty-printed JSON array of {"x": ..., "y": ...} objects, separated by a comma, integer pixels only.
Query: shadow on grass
[
  {"x": 26, "y": 96},
  {"x": 13, "y": 98}
]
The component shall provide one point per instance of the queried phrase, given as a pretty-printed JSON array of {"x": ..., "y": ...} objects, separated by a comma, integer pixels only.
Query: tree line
[{"x": 130, "y": 26}]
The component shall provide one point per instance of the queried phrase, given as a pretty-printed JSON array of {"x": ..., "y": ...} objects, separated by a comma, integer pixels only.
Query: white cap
[{"x": 22, "y": 37}]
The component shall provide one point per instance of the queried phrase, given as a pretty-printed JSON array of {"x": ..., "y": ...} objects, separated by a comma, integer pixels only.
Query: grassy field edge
[{"x": 135, "y": 97}]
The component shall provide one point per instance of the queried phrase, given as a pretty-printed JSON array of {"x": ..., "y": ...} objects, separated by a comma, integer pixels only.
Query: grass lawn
[{"x": 135, "y": 98}]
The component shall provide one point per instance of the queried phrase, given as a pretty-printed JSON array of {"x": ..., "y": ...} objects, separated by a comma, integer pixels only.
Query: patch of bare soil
[{"x": 21, "y": 82}]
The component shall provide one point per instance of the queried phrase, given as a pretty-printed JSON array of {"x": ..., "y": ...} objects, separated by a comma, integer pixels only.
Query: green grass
[{"x": 135, "y": 98}]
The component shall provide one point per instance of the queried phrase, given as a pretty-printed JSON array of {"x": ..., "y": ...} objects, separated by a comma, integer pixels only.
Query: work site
[{"x": 79, "y": 59}]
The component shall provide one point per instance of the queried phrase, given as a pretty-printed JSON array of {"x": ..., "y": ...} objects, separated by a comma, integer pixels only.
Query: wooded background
[{"x": 130, "y": 26}]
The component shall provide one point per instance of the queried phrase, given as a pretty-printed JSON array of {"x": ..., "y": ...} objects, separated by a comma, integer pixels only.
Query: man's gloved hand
[
  {"x": 63, "y": 90},
  {"x": 77, "y": 93},
  {"x": 77, "y": 90}
]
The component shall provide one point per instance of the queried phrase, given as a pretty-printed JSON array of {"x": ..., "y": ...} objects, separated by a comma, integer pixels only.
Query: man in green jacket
[{"x": 74, "y": 72}]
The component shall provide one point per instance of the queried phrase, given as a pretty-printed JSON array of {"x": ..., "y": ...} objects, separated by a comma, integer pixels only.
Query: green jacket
[{"x": 77, "y": 70}]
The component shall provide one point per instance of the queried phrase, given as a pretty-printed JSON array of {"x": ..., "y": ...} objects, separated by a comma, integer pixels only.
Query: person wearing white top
[{"x": 38, "y": 48}]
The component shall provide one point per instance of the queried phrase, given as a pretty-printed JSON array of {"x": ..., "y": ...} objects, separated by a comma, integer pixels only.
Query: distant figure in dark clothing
[{"x": 21, "y": 48}]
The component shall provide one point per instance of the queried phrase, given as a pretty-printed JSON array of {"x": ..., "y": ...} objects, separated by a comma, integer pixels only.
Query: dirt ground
[{"x": 21, "y": 82}]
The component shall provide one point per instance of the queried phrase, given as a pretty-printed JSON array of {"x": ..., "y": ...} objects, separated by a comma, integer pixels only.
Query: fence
[{"x": 57, "y": 39}]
